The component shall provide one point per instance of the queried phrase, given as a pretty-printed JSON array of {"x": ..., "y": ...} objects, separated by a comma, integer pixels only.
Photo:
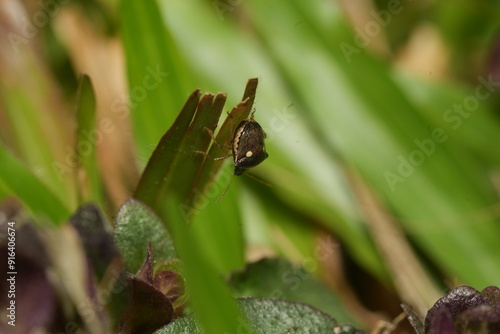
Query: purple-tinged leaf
[
  {"x": 455, "y": 302},
  {"x": 146, "y": 271},
  {"x": 97, "y": 241},
  {"x": 492, "y": 294},
  {"x": 172, "y": 285},
  {"x": 148, "y": 310},
  {"x": 442, "y": 322},
  {"x": 483, "y": 319}
]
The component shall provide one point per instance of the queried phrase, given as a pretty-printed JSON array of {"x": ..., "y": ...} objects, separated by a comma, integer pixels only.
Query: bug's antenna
[
  {"x": 225, "y": 191},
  {"x": 252, "y": 114},
  {"x": 258, "y": 180}
]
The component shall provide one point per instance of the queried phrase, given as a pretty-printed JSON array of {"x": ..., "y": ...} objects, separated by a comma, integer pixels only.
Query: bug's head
[
  {"x": 249, "y": 148},
  {"x": 250, "y": 159}
]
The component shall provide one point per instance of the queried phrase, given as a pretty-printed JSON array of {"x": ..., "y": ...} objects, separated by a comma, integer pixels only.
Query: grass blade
[
  {"x": 24, "y": 185},
  {"x": 157, "y": 75},
  {"x": 89, "y": 186}
]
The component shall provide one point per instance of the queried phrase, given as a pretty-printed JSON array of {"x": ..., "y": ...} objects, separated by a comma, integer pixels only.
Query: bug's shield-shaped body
[{"x": 249, "y": 149}]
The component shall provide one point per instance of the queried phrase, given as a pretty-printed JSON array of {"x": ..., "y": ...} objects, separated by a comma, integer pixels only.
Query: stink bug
[{"x": 248, "y": 148}]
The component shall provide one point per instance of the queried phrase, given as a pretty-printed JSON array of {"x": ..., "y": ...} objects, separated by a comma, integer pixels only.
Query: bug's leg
[
  {"x": 208, "y": 156},
  {"x": 225, "y": 191},
  {"x": 211, "y": 133}
]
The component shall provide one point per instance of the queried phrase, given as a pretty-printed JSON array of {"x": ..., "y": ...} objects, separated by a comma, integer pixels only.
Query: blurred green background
[{"x": 381, "y": 119}]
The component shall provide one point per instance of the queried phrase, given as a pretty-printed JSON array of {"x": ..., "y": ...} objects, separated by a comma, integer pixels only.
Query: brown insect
[{"x": 248, "y": 147}]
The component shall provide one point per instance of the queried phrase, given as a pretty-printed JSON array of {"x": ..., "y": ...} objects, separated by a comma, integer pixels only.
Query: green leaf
[
  {"x": 22, "y": 183},
  {"x": 136, "y": 226},
  {"x": 188, "y": 163},
  {"x": 203, "y": 280},
  {"x": 158, "y": 78},
  {"x": 159, "y": 168},
  {"x": 225, "y": 134},
  {"x": 35, "y": 117},
  {"x": 149, "y": 308},
  {"x": 175, "y": 181},
  {"x": 178, "y": 164},
  {"x": 216, "y": 229},
  {"x": 276, "y": 278},
  {"x": 267, "y": 316},
  {"x": 90, "y": 187}
]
